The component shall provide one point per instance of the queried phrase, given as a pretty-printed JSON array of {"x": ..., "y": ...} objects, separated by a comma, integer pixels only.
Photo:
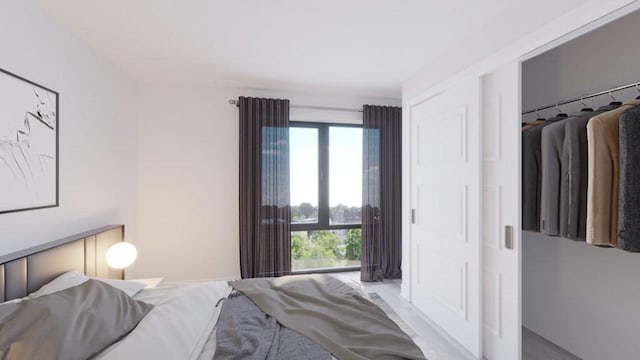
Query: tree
[
  {"x": 307, "y": 210},
  {"x": 353, "y": 244},
  {"x": 352, "y": 215},
  {"x": 342, "y": 214},
  {"x": 337, "y": 214},
  {"x": 295, "y": 213},
  {"x": 298, "y": 247},
  {"x": 329, "y": 241}
]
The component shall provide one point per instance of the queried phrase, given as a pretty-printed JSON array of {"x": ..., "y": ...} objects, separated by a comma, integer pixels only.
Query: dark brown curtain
[
  {"x": 265, "y": 213},
  {"x": 381, "y": 193}
]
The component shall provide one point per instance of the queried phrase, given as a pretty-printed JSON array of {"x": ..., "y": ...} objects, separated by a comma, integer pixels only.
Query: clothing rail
[
  {"x": 588, "y": 96},
  {"x": 312, "y": 107}
]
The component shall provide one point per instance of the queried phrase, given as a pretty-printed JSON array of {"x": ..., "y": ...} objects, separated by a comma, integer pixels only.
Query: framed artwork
[{"x": 28, "y": 145}]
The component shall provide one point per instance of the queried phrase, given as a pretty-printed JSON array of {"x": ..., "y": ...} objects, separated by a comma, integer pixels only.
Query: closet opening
[{"x": 581, "y": 196}]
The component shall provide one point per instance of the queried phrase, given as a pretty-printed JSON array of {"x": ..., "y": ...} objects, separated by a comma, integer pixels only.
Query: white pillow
[
  {"x": 74, "y": 277},
  {"x": 130, "y": 287}
]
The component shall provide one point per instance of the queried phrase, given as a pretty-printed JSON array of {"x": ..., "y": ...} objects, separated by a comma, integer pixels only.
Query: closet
[
  {"x": 467, "y": 263},
  {"x": 582, "y": 297}
]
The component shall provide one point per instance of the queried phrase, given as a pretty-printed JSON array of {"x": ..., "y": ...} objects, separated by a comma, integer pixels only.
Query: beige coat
[
  {"x": 531, "y": 124},
  {"x": 602, "y": 191}
]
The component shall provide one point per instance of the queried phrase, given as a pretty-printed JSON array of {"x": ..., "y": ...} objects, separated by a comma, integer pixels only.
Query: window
[
  {"x": 326, "y": 195},
  {"x": 303, "y": 152}
]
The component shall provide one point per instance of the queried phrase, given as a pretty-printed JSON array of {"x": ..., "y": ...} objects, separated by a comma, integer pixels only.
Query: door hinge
[{"x": 413, "y": 216}]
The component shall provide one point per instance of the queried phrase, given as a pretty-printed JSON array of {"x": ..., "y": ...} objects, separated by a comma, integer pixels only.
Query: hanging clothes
[
  {"x": 602, "y": 187},
  {"x": 573, "y": 185},
  {"x": 530, "y": 124},
  {"x": 629, "y": 195},
  {"x": 553, "y": 212},
  {"x": 531, "y": 164}
]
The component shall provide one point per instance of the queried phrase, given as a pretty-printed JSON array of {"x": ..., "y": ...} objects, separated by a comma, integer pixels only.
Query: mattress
[
  {"x": 179, "y": 327},
  {"x": 182, "y": 322}
]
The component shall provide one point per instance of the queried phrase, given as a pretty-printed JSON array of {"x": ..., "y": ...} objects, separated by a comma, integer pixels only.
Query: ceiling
[{"x": 368, "y": 46}]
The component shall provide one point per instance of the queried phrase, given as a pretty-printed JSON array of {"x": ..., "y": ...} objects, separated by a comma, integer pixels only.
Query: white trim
[
  {"x": 562, "y": 29},
  {"x": 603, "y": 20},
  {"x": 519, "y": 216},
  {"x": 405, "y": 287}
]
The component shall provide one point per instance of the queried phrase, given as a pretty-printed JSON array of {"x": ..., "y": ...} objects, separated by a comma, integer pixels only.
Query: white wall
[
  {"x": 187, "y": 184},
  {"x": 97, "y": 129},
  {"x": 495, "y": 38},
  {"x": 582, "y": 297},
  {"x": 188, "y": 176},
  {"x": 325, "y": 97},
  {"x": 601, "y": 59},
  {"x": 162, "y": 160},
  {"x": 541, "y": 24}
]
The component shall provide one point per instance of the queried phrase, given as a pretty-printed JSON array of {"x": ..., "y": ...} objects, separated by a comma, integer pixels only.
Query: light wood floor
[
  {"x": 436, "y": 345},
  {"x": 535, "y": 347}
]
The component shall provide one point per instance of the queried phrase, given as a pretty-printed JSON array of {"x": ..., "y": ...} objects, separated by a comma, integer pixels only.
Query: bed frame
[{"x": 25, "y": 271}]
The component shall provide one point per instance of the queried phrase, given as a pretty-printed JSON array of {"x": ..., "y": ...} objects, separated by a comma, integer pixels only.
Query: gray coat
[
  {"x": 575, "y": 176},
  {"x": 553, "y": 212},
  {"x": 629, "y": 191},
  {"x": 531, "y": 163}
]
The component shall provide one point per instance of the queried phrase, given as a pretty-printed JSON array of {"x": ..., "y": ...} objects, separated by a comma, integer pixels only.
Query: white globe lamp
[{"x": 121, "y": 255}]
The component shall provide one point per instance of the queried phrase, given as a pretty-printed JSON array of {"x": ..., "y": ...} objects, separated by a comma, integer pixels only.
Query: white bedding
[
  {"x": 179, "y": 325},
  {"x": 182, "y": 324}
]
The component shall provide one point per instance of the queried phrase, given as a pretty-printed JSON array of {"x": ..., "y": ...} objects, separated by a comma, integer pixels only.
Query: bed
[{"x": 61, "y": 300}]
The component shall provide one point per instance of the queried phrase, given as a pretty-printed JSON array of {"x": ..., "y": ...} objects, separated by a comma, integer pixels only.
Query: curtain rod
[
  {"x": 588, "y": 96},
  {"x": 312, "y": 107}
]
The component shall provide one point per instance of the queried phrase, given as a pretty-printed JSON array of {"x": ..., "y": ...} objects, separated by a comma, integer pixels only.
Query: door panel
[
  {"x": 501, "y": 208},
  {"x": 445, "y": 193}
]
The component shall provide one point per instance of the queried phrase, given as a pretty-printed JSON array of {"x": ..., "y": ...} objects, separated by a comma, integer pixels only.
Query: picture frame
[{"x": 29, "y": 145}]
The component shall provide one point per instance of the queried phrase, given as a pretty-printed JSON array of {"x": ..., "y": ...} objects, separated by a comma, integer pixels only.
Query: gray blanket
[
  {"x": 331, "y": 314},
  {"x": 245, "y": 332}
]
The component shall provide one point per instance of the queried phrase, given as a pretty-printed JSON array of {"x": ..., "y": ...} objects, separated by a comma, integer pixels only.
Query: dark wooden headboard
[{"x": 25, "y": 271}]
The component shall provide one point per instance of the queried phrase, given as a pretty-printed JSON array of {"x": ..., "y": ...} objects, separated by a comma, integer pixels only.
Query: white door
[
  {"x": 501, "y": 213},
  {"x": 445, "y": 197}
]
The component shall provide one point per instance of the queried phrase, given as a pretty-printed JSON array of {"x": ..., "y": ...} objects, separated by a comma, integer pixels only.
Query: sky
[{"x": 345, "y": 166}]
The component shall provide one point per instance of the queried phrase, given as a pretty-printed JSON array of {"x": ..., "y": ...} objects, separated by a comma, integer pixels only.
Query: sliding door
[
  {"x": 445, "y": 210},
  {"x": 501, "y": 213}
]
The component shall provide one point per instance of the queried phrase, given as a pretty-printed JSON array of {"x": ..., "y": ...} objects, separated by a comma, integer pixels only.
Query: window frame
[
  {"x": 323, "y": 178},
  {"x": 323, "y": 192}
]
